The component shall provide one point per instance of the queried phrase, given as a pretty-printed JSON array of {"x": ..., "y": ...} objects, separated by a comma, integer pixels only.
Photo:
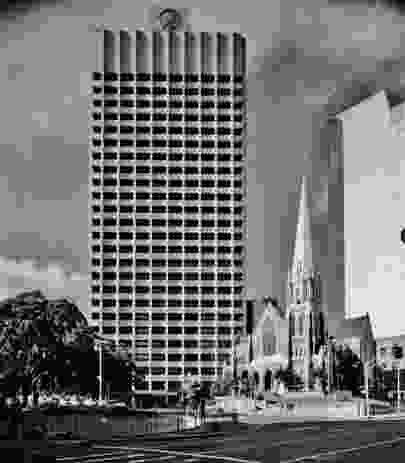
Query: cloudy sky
[{"x": 306, "y": 58}]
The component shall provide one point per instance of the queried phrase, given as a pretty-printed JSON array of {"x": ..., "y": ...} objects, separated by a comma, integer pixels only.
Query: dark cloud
[
  {"x": 13, "y": 9},
  {"x": 397, "y": 5}
]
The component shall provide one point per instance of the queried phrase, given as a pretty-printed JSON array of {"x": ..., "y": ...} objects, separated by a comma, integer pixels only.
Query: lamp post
[
  {"x": 331, "y": 362},
  {"x": 367, "y": 365},
  {"x": 398, "y": 387},
  {"x": 397, "y": 353},
  {"x": 100, "y": 372}
]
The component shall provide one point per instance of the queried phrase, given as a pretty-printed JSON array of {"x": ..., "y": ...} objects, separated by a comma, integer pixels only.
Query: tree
[
  {"x": 288, "y": 376},
  {"x": 348, "y": 369},
  {"x": 37, "y": 336}
]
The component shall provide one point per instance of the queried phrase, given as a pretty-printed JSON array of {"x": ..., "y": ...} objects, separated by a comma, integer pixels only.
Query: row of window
[
  {"x": 188, "y": 344},
  {"x": 162, "y": 249},
  {"x": 207, "y": 357},
  {"x": 163, "y": 116},
  {"x": 161, "y": 357},
  {"x": 144, "y": 343},
  {"x": 144, "y": 222},
  {"x": 171, "y": 330},
  {"x": 110, "y": 182},
  {"x": 163, "y": 143},
  {"x": 159, "y": 170},
  {"x": 171, "y": 303},
  {"x": 174, "y": 195},
  {"x": 162, "y": 316},
  {"x": 172, "y": 91},
  {"x": 187, "y": 330},
  {"x": 159, "y": 235},
  {"x": 166, "y": 278},
  {"x": 179, "y": 183},
  {"x": 173, "y": 290},
  {"x": 205, "y": 344},
  {"x": 173, "y": 263},
  {"x": 129, "y": 262},
  {"x": 173, "y": 104},
  {"x": 161, "y": 130},
  {"x": 163, "y": 77},
  {"x": 172, "y": 209},
  {"x": 161, "y": 156},
  {"x": 175, "y": 276}
]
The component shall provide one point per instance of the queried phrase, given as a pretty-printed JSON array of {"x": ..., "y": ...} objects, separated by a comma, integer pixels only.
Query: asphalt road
[{"x": 336, "y": 442}]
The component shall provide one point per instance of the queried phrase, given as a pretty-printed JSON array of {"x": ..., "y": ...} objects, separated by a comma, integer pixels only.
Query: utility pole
[
  {"x": 398, "y": 387},
  {"x": 100, "y": 372},
  {"x": 366, "y": 365}
]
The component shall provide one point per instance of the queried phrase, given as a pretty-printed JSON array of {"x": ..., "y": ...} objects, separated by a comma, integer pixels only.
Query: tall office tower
[
  {"x": 168, "y": 190},
  {"x": 327, "y": 185}
]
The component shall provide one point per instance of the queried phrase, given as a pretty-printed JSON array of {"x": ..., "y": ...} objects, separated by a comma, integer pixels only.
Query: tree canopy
[{"x": 49, "y": 342}]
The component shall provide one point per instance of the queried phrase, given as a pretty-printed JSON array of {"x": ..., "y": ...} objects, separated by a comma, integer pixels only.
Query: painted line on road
[
  {"x": 342, "y": 451},
  {"x": 92, "y": 458},
  {"x": 305, "y": 428},
  {"x": 177, "y": 453},
  {"x": 89, "y": 455}
]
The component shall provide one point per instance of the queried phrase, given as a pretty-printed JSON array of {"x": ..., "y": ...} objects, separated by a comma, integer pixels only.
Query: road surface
[{"x": 338, "y": 442}]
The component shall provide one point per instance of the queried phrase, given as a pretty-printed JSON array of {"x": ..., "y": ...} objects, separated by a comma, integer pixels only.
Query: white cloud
[{"x": 24, "y": 275}]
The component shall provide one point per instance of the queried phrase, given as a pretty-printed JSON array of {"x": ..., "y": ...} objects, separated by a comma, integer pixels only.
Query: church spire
[{"x": 303, "y": 244}]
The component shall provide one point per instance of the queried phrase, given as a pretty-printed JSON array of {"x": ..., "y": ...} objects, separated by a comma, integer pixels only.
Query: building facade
[
  {"x": 326, "y": 202},
  {"x": 168, "y": 200}
]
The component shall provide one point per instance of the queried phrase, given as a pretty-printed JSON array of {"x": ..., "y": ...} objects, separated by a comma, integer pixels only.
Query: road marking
[
  {"x": 176, "y": 453},
  {"x": 305, "y": 428},
  {"x": 92, "y": 455},
  {"x": 100, "y": 457},
  {"x": 340, "y": 451}
]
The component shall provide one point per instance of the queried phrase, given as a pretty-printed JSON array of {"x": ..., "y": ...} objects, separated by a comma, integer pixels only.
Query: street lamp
[
  {"x": 367, "y": 365},
  {"x": 100, "y": 371}
]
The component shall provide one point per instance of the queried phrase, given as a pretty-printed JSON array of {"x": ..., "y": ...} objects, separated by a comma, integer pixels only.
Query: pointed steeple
[{"x": 303, "y": 241}]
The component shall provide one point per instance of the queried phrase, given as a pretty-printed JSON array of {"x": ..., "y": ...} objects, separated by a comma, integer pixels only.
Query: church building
[
  {"x": 304, "y": 292},
  {"x": 288, "y": 337}
]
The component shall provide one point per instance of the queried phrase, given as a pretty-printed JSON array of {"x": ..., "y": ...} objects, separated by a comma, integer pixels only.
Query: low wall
[{"x": 94, "y": 426}]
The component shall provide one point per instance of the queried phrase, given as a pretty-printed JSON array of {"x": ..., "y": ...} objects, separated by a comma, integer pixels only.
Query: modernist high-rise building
[
  {"x": 326, "y": 205},
  {"x": 167, "y": 199}
]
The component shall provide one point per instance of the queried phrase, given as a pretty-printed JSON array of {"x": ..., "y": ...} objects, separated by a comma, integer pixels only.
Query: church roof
[
  {"x": 275, "y": 304},
  {"x": 303, "y": 243},
  {"x": 354, "y": 327}
]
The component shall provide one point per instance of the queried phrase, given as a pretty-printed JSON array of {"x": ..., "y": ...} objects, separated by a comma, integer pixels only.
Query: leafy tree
[
  {"x": 288, "y": 376},
  {"x": 48, "y": 344},
  {"x": 348, "y": 369}
]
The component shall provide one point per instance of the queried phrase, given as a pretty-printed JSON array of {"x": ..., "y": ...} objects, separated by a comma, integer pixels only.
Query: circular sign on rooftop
[{"x": 170, "y": 19}]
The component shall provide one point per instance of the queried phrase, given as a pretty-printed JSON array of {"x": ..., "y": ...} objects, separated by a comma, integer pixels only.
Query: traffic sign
[{"x": 403, "y": 235}]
